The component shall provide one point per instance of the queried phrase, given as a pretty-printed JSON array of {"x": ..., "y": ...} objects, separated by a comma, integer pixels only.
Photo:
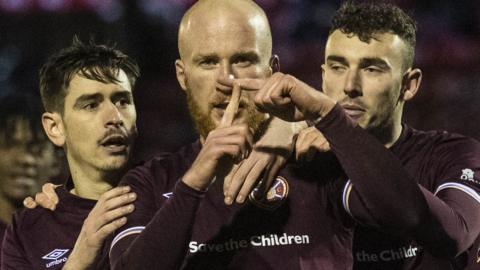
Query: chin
[{"x": 117, "y": 163}]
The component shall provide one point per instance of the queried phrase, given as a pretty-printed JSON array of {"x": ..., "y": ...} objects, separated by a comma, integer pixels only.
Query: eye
[
  {"x": 373, "y": 69},
  {"x": 337, "y": 67},
  {"x": 208, "y": 63},
  {"x": 90, "y": 106},
  {"x": 123, "y": 102},
  {"x": 242, "y": 61}
]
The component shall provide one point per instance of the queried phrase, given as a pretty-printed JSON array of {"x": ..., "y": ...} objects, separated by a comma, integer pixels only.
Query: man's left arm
[
  {"x": 382, "y": 194},
  {"x": 390, "y": 198}
]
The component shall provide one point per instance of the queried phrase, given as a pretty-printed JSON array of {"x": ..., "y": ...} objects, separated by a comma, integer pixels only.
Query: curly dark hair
[
  {"x": 92, "y": 61},
  {"x": 366, "y": 19},
  {"x": 18, "y": 106}
]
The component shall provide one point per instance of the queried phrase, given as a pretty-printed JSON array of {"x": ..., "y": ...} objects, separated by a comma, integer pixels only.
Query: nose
[
  {"x": 113, "y": 116},
  {"x": 353, "y": 84},
  {"x": 225, "y": 73}
]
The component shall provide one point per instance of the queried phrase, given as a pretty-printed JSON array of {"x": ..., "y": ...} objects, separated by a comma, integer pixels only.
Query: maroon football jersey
[
  {"x": 473, "y": 258},
  {"x": 437, "y": 161},
  {"x": 43, "y": 239},
  {"x": 301, "y": 224},
  {"x": 3, "y": 228}
]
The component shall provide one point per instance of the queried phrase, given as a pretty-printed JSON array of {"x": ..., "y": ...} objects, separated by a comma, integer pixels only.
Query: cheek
[
  {"x": 332, "y": 88},
  {"x": 252, "y": 72},
  {"x": 201, "y": 83}
]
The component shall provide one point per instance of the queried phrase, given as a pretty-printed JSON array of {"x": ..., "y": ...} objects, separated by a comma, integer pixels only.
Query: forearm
[
  {"x": 391, "y": 197},
  {"x": 164, "y": 241}
]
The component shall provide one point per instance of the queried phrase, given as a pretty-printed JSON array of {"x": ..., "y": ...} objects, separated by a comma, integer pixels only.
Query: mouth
[
  {"x": 224, "y": 104},
  {"x": 115, "y": 143},
  {"x": 353, "y": 110}
]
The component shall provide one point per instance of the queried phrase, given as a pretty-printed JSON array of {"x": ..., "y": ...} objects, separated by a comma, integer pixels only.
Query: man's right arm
[{"x": 162, "y": 244}]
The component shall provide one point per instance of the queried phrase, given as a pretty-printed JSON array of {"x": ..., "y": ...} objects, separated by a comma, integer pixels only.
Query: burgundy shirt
[
  {"x": 437, "y": 161},
  {"x": 43, "y": 239},
  {"x": 473, "y": 258},
  {"x": 3, "y": 228},
  {"x": 303, "y": 226},
  {"x": 418, "y": 202}
]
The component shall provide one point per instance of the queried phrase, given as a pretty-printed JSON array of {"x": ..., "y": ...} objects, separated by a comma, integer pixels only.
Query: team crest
[{"x": 275, "y": 196}]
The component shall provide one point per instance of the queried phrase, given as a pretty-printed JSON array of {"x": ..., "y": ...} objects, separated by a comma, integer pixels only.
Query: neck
[
  {"x": 91, "y": 183},
  {"x": 388, "y": 135},
  {"x": 6, "y": 210}
]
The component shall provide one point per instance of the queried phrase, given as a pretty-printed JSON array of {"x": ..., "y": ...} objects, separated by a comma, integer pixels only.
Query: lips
[
  {"x": 115, "y": 143},
  {"x": 223, "y": 104},
  {"x": 353, "y": 110}
]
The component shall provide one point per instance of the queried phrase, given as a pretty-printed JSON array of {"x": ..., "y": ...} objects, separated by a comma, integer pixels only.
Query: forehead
[
  {"x": 226, "y": 34},
  {"x": 386, "y": 46},
  {"x": 79, "y": 85}
]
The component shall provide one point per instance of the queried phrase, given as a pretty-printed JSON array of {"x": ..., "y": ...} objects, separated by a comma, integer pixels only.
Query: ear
[
  {"x": 274, "y": 64},
  {"x": 180, "y": 70},
  {"x": 411, "y": 83},
  {"x": 53, "y": 126}
]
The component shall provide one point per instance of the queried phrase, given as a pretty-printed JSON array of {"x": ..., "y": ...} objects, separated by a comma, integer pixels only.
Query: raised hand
[
  {"x": 108, "y": 215},
  {"x": 288, "y": 98},
  {"x": 224, "y": 146},
  {"x": 310, "y": 141}
]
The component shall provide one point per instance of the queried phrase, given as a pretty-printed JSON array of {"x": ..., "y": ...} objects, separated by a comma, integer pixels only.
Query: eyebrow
[
  {"x": 364, "y": 62},
  {"x": 199, "y": 57},
  {"x": 250, "y": 55},
  {"x": 374, "y": 61},
  {"x": 337, "y": 58},
  {"x": 121, "y": 94},
  {"x": 87, "y": 97}
]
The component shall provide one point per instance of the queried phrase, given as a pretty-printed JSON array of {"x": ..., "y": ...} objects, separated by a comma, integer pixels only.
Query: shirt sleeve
[
  {"x": 381, "y": 194},
  {"x": 13, "y": 253},
  {"x": 155, "y": 238}
]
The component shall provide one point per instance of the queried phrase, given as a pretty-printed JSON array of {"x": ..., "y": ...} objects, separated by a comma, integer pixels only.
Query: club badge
[{"x": 275, "y": 196}]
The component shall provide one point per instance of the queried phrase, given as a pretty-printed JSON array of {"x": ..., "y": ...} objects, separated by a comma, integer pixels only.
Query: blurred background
[{"x": 448, "y": 52}]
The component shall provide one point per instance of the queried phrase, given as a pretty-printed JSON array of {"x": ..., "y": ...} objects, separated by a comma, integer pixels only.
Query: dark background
[{"x": 448, "y": 52}]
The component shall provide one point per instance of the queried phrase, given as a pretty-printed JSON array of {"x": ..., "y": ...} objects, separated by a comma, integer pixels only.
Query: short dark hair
[
  {"x": 15, "y": 107},
  {"x": 92, "y": 61},
  {"x": 368, "y": 18}
]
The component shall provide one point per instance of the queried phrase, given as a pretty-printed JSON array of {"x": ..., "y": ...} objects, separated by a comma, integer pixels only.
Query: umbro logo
[
  {"x": 55, "y": 254},
  {"x": 55, "y": 257}
]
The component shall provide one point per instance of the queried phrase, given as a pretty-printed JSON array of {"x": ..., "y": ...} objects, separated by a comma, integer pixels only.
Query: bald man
[{"x": 180, "y": 218}]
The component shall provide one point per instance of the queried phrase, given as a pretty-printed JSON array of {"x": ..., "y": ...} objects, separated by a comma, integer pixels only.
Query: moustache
[{"x": 117, "y": 136}]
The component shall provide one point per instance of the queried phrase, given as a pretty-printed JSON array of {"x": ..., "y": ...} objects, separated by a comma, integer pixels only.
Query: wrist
[
  {"x": 191, "y": 179},
  {"x": 324, "y": 106}
]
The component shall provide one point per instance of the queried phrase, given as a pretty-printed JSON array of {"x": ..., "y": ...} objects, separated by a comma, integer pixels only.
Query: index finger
[
  {"x": 251, "y": 84},
  {"x": 232, "y": 107}
]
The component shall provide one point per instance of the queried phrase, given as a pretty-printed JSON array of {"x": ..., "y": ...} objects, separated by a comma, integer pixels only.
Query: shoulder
[
  {"x": 442, "y": 142},
  {"x": 162, "y": 171},
  {"x": 24, "y": 218}
]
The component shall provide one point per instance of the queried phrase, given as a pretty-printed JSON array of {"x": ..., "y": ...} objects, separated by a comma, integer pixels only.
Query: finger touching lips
[{"x": 232, "y": 107}]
